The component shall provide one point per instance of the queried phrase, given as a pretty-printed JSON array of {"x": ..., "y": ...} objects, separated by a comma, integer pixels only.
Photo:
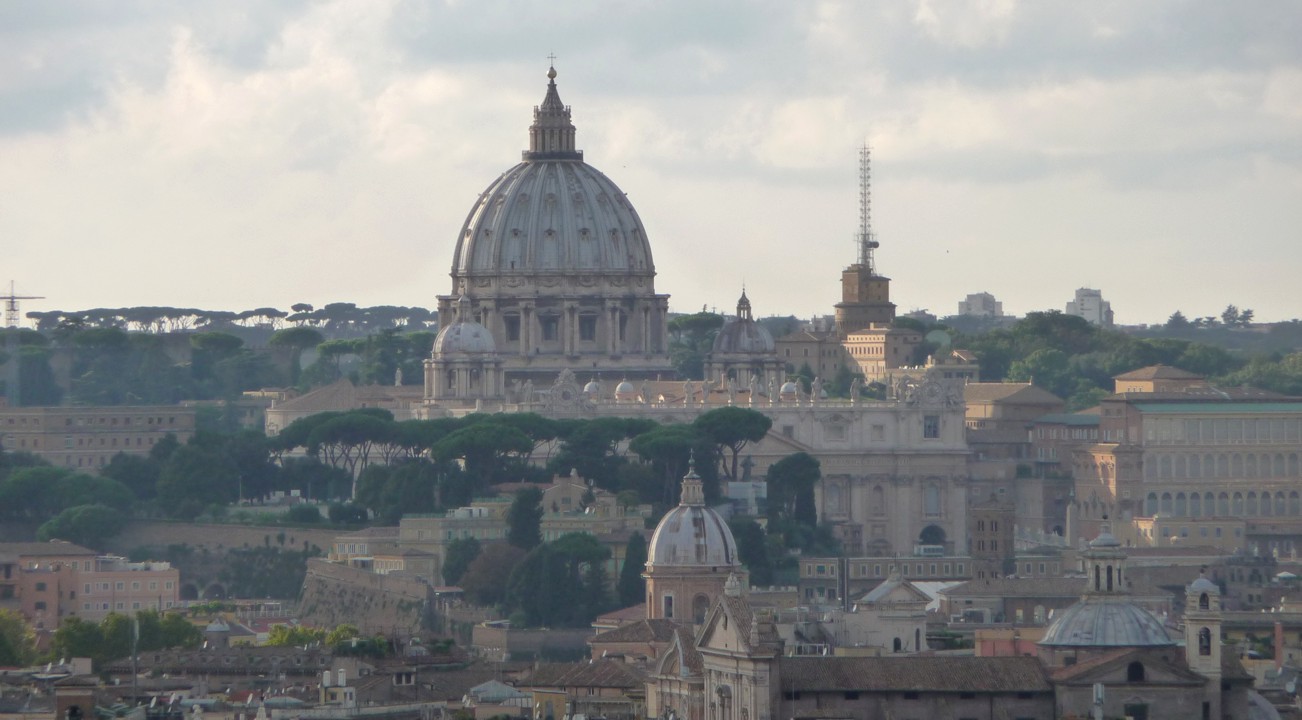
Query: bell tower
[
  {"x": 865, "y": 295},
  {"x": 1202, "y": 638}
]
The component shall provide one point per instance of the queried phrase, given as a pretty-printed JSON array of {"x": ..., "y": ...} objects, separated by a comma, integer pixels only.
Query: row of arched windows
[{"x": 1223, "y": 504}]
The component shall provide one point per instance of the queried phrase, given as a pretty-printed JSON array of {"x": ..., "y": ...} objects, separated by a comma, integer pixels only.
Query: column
[{"x": 526, "y": 321}]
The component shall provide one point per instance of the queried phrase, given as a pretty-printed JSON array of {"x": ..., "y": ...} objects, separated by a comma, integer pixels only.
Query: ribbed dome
[
  {"x": 552, "y": 213},
  {"x": 741, "y": 335},
  {"x": 1106, "y": 621},
  {"x": 464, "y": 337},
  {"x": 692, "y": 535}
]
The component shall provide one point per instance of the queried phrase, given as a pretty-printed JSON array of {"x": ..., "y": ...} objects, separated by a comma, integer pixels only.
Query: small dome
[
  {"x": 1106, "y": 622},
  {"x": 743, "y": 336},
  {"x": 692, "y": 535},
  {"x": 624, "y": 387},
  {"x": 592, "y": 388},
  {"x": 1105, "y": 540},
  {"x": 1202, "y": 584},
  {"x": 464, "y": 337},
  {"x": 789, "y": 391}
]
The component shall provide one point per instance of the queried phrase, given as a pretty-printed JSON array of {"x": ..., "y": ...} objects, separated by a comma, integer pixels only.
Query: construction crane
[{"x": 11, "y": 305}]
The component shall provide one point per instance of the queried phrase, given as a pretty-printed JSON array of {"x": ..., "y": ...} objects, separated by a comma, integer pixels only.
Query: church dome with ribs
[
  {"x": 552, "y": 213},
  {"x": 692, "y": 534}
]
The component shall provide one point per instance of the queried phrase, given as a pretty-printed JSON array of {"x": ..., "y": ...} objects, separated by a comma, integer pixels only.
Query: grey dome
[
  {"x": 1106, "y": 622},
  {"x": 743, "y": 336},
  {"x": 552, "y": 216},
  {"x": 1105, "y": 540},
  {"x": 692, "y": 535},
  {"x": 467, "y": 337},
  {"x": 1202, "y": 584}
]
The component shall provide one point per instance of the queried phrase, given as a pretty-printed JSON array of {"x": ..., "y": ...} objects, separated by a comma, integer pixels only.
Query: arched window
[
  {"x": 1223, "y": 504},
  {"x": 1181, "y": 507},
  {"x": 1109, "y": 578},
  {"x": 1195, "y": 505},
  {"x": 878, "y": 500},
  {"x": 1150, "y": 505},
  {"x": 1238, "y": 504},
  {"x": 1250, "y": 507},
  {"x": 1205, "y": 642},
  {"x": 1135, "y": 672},
  {"x": 917, "y": 640},
  {"x": 700, "y": 605},
  {"x": 668, "y": 601},
  {"x": 1166, "y": 504},
  {"x": 1204, "y": 602}
]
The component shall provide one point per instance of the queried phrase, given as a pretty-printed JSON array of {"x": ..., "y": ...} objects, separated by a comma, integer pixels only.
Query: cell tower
[
  {"x": 866, "y": 241},
  {"x": 11, "y": 305}
]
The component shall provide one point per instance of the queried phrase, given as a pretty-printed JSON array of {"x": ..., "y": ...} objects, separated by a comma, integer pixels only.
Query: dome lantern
[{"x": 551, "y": 136}]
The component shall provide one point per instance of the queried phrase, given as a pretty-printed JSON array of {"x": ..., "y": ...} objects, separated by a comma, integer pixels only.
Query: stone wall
[
  {"x": 217, "y": 538},
  {"x": 336, "y": 594}
]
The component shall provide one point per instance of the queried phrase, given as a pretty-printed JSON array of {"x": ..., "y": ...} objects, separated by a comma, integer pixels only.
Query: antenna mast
[
  {"x": 11, "y": 305},
  {"x": 867, "y": 241}
]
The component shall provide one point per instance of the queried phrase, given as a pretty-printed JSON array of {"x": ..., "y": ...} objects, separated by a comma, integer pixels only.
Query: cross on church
[{"x": 551, "y": 59}]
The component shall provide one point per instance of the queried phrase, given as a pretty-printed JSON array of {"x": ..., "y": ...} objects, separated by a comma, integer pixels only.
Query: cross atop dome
[{"x": 551, "y": 137}]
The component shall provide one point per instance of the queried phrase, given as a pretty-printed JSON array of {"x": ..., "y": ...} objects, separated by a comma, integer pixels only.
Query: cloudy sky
[{"x": 229, "y": 154}]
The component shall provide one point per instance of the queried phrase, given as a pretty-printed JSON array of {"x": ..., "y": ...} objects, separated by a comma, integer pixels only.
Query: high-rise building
[{"x": 1090, "y": 305}]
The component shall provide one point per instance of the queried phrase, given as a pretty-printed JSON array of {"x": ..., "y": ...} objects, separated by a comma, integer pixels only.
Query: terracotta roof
[
  {"x": 45, "y": 549},
  {"x": 1124, "y": 656},
  {"x": 623, "y": 615},
  {"x": 1005, "y": 392},
  {"x": 647, "y": 631},
  {"x": 605, "y": 673},
  {"x": 1037, "y": 587},
  {"x": 915, "y": 673},
  {"x": 1158, "y": 372}
]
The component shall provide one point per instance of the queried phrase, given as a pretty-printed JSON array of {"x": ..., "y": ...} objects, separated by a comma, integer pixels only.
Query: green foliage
[
  {"x": 461, "y": 552},
  {"x": 562, "y": 583},
  {"x": 303, "y": 514},
  {"x": 524, "y": 519},
  {"x": 791, "y": 483},
  {"x": 631, "y": 588},
  {"x": 265, "y": 572},
  {"x": 731, "y": 429},
  {"x": 290, "y": 635},
  {"x": 690, "y": 339},
  {"x": 194, "y": 478},
  {"x": 111, "y": 638},
  {"x": 593, "y": 448},
  {"x": 41, "y": 492},
  {"x": 88, "y": 525},
  {"x": 669, "y": 449},
  {"x": 17, "y": 640},
  {"x": 487, "y": 447},
  {"x": 752, "y": 549}
]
